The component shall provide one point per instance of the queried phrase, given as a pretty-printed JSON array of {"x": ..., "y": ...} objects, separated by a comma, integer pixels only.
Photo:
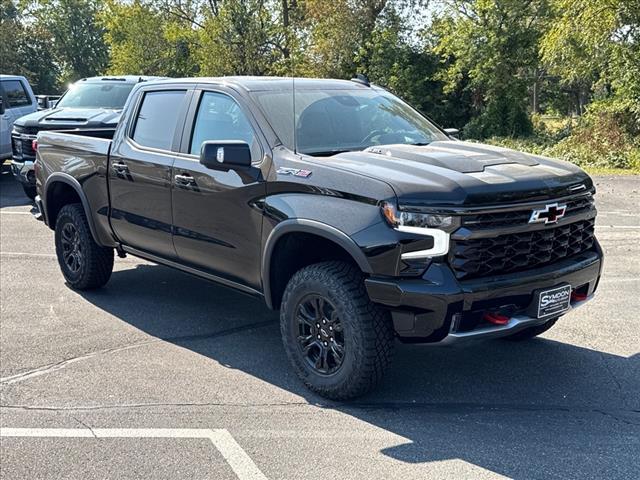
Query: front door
[
  {"x": 140, "y": 173},
  {"x": 216, "y": 227}
]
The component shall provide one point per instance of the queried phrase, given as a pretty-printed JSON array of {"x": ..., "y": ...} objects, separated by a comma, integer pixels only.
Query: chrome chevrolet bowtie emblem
[{"x": 551, "y": 213}]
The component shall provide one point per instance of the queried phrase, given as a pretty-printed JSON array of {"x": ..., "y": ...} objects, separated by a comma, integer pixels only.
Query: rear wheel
[
  {"x": 532, "y": 332},
  {"x": 338, "y": 342},
  {"x": 84, "y": 264},
  {"x": 29, "y": 191}
]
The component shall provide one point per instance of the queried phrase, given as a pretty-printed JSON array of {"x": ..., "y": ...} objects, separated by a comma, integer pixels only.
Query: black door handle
[{"x": 185, "y": 180}]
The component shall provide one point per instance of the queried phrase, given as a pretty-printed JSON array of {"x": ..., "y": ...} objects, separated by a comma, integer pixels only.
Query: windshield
[
  {"x": 334, "y": 121},
  {"x": 96, "y": 95}
]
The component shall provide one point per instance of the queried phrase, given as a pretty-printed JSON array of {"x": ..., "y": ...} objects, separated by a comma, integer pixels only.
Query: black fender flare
[
  {"x": 302, "y": 225},
  {"x": 73, "y": 183}
]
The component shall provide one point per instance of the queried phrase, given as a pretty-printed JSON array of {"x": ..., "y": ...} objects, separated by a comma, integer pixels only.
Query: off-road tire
[
  {"x": 367, "y": 330},
  {"x": 531, "y": 332},
  {"x": 96, "y": 265},
  {"x": 29, "y": 191}
]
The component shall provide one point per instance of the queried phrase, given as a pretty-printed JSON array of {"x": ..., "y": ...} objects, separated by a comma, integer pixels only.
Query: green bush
[{"x": 607, "y": 136}]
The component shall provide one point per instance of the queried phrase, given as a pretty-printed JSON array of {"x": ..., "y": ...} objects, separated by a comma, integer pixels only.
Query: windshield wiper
[{"x": 328, "y": 153}]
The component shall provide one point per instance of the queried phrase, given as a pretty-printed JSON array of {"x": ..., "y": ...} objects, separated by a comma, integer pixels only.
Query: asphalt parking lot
[{"x": 163, "y": 375}]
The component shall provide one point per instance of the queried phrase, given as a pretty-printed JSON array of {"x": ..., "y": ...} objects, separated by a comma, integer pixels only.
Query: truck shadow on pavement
[
  {"x": 541, "y": 408},
  {"x": 12, "y": 193}
]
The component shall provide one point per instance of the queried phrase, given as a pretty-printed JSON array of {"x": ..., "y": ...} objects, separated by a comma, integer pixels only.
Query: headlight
[
  {"x": 409, "y": 221},
  {"x": 435, "y": 226}
]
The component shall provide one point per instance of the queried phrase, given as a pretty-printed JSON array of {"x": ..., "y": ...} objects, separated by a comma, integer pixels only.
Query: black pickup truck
[{"x": 336, "y": 203}]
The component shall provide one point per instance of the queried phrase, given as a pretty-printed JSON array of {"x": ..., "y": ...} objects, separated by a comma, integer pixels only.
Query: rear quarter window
[
  {"x": 155, "y": 122},
  {"x": 15, "y": 94}
]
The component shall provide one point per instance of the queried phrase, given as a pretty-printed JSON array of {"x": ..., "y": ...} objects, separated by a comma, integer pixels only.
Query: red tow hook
[
  {"x": 496, "y": 318},
  {"x": 578, "y": 297}
]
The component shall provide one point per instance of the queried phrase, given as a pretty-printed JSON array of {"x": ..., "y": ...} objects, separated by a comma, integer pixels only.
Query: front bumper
[
  {"x": 439, "y": 308},
  {"x": 24, "y": 172}
]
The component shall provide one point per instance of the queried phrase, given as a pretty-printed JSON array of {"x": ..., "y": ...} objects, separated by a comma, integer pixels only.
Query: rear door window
[
  {"x": 155, "y": 123},
  {"x": 15, "y": 94}
]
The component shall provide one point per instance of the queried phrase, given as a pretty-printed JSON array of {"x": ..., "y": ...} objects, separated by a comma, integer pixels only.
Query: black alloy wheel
[
  {"x": 320, "y": 334},
  {"x": 72, "y": 254}
]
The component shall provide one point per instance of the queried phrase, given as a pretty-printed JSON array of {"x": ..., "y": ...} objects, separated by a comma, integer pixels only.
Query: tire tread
[{"x": 376, "y": 349}]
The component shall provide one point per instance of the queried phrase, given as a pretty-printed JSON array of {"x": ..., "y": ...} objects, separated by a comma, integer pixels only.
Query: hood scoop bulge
[{"x": 461, "y": 157}]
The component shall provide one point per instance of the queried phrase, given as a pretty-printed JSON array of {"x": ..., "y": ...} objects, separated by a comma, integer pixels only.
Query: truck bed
[
  {"x": 88, "y": 141},
  {"x": 80, "y": 160}
]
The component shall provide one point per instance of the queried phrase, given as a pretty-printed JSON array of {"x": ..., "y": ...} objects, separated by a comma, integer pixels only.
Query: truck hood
[
  {"x": 61, "y": 118},
  {"x": 454, "y": 173}
]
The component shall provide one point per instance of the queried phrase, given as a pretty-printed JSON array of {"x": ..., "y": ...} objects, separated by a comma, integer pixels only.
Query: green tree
[
  {"x": 490, "y": 47},
  {"x": 598, "y": 41},
  {"x": 10, "y": 34},
  {"x": 146, "y": 39},
  {"x": 27, "y": 49},
  {"x": 76, "y": 34},
  {"x": 237, "y": 38}
]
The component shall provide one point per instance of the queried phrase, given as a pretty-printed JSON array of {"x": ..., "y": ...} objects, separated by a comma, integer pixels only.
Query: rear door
[
  {"x": 217, "y": 227},
  {"x": 140, "y": 168}
]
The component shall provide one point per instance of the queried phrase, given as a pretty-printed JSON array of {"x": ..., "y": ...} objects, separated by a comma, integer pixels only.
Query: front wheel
[
  {"x": 84, "y": 264},
  {"x": 338, "y": 342}
]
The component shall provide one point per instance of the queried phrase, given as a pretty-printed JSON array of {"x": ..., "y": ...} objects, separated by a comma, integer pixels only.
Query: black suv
[{"x": 336, "y": 203}]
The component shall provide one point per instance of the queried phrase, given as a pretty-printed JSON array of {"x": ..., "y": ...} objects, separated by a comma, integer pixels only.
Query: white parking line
[
  {"x": 623, "y": 227},
  {"x": 232, "y": 452},
  {"x": 27, "y": 254}
]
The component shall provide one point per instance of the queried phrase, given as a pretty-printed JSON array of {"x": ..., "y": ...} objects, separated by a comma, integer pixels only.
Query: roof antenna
[{"x": 362, "y": 79}]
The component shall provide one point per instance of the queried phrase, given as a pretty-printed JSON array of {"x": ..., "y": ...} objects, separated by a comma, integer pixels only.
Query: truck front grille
[
  {"x": 22, "y": 147},
  {"x": 488, "y": 220},
  {"x": 520, "y": 251}
]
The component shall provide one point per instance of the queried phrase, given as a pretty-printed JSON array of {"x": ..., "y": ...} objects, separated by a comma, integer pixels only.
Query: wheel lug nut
[
  {"x": 330, "y": 327},
  {"x": 324, "y": 322},
  {"x": 318, "y": 337},
  {"x": 317, "y": 325},
  {"x": 325, "y": 344}
]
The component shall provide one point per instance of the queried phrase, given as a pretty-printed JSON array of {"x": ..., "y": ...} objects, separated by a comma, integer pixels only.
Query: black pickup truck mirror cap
[{"x": 225, "y": 155}]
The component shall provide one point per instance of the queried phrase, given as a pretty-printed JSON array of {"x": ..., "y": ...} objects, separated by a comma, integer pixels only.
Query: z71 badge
[{"x": 296, "y": 172}]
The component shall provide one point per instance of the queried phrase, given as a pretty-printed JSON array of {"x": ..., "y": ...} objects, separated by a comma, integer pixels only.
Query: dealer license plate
[{"x": 554, "y": 301}]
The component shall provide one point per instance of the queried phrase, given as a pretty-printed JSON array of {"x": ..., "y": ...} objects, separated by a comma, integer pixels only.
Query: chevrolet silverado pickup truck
[
  {"x": 90, "y": 103},
  {"x": 337, "y": 204}
]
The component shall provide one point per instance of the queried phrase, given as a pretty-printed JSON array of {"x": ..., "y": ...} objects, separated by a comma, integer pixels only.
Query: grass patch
[{"x": 603, "y": 171}]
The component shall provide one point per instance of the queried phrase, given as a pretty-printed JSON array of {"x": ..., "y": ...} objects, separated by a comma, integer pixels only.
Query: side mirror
[
  {"x": 225, "y": 155},
  {"x": 452, "y": 132}
]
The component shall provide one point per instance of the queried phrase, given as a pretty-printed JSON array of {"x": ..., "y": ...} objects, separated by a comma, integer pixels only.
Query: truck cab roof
[{"x": 257, "y": 84}]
